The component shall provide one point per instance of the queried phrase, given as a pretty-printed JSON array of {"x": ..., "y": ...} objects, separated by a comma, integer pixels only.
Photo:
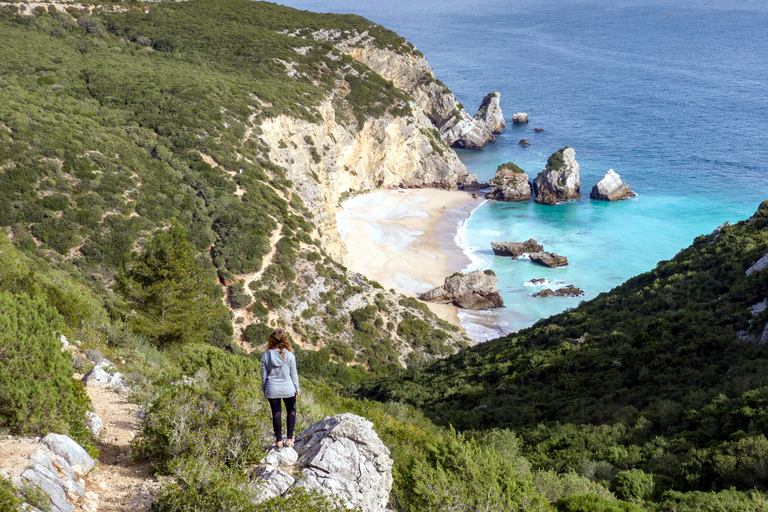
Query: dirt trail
[{"x": 122, "y": 486}]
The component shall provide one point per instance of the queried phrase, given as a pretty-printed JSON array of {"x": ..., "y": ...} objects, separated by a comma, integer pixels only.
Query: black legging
[{"x": 290, "y": 407}]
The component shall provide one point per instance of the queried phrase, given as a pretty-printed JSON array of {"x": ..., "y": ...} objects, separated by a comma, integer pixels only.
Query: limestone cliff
[{"x": 412, "y": 74}]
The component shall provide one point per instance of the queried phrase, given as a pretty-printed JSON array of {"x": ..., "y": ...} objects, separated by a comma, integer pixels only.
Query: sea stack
[
  {"x": 559, "y": 181},
  {"x": 520, "y": 118},
  {"x": 476, "y": 290},
  {"x": 510, "y": 184},
  {"x": 489, "y": 113},
  {"x": 611, "y": 188}
]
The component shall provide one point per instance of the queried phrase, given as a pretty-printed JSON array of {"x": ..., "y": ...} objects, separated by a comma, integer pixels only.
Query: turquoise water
[{"x": 672, "y": 95}]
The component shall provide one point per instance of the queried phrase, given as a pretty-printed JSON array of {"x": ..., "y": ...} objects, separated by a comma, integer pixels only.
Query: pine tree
[{"x": 168, "y": 292}]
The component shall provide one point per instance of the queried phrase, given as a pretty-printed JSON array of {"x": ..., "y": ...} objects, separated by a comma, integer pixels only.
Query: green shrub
[
  {"x": 555, "y": 161},
  {"x": 634, "y": 485},
  {"x": 510, "y": 166},
  {"x": 257, "y": 334},
  {"x": 9, "y": 498},
  {"x": 593, "y": 503},
  {"x": 36, "y": 387},
  {"x": 238, "y": 299}
]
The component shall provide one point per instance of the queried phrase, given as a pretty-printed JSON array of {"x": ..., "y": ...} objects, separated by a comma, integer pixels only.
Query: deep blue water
[{"x": 672, "y": 95}]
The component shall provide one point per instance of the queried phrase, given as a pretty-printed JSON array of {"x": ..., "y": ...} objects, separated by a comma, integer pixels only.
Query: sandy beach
[{"x": 404, "y": 239}]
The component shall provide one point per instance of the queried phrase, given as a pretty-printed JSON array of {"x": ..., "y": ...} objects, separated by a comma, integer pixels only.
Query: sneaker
[{"x": 289, "y": 443}]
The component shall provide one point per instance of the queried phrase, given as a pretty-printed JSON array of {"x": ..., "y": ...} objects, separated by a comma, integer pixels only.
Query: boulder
[
  {"x": 538, "y": 130},
  {"x": 510, "y": 184},
  {"x": 476, "y": 290},
  {"x": 548, "y": 259},
  {"x": 466, "y": 132},
  {"x": 343, "y": 456},
  {"x": 66, "y": 448},
  {"x": 537, "y": 280},
  {"x": 94, "y": 423},
  {"x": 489, "y": 113},
  {"x": 515, "y": 249},
  {"x": 559, "y": 181},
  {"x": 611, "y": 188},
  {"x": 569, "y": 291},
  {"x": 546, "y": 292},
  {"x": 524, "y": 142},
  {"x": 520, "y": 118}
]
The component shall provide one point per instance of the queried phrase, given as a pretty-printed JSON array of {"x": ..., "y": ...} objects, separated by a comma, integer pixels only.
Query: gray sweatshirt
[{"x": 279, "y": 378}]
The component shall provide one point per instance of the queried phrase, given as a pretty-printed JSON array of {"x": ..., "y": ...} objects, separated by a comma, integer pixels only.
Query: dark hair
[{"x": 279, "y": 340}]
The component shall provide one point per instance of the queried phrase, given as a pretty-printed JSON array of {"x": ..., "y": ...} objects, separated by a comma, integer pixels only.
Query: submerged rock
[
  {"x": 490, "y": 115},
  {"x": 566, "y": 291},
  {"x": 559, "y": 181},
  {"x": 515, "y": 249},
  {"x": 548, "y": 259},
  {"x": 476, "y": 290},
  {"x": 538, "y": 129},
  {"x": 520, "y": 118},
  {"x": 611, "y": 188},
  {"x": 510, "y": 184}
]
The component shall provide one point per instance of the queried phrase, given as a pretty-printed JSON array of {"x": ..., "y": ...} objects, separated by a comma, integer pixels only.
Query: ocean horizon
[{"x": 671, "y": 95}]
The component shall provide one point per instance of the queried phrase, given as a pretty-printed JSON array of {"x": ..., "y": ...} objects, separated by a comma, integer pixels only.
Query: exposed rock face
[
  {"x": 520, "y": 118},
  {"x": 100, "y": 376},
  {"x": 490, "y": 113},
  {"x": 759, "y": 265},
  {"x": 510, "y": 184},
  {"x": 413, "y": 74},
  {"x": 341, "y": 456},
  {"x": 515, "y": 249},
  {"x": 559, "y": 181},
  {"x": 548, "y": 259},
  {"x": 476, "y": 290},
  {"x": 611, "y": 188}
]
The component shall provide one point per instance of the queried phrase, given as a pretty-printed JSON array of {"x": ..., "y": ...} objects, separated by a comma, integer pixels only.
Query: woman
[{"x": 279, "y": 380}]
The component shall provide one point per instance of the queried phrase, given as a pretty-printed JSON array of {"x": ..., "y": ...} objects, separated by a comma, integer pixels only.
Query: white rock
[
  {"x": 94, "y": 423},
  {"x": 99, "y": 376},
  {"x": 64, "y": 342},
  {"x": 520, "y": 118},
  {"x": 759, "y": 265},
  {"x": 73, "y": 453},
  {"x": 611, "y": 188},
  {"x": 283, "y": 457},
  {"x": 553, "y": 186}
]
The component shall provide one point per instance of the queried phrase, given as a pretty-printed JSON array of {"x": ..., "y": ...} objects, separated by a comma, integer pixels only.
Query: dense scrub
[{"x": 663, "y": 374}]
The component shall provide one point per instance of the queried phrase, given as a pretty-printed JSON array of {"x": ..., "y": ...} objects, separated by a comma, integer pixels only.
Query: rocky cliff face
[
  {"x": 412, "y": 73},
  {"x": 559, "y": 181},
  {"x": 490, "y": 113}
]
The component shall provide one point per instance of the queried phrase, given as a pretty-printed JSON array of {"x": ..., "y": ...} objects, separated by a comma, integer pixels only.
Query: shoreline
[{"x": 405, "y": 239}]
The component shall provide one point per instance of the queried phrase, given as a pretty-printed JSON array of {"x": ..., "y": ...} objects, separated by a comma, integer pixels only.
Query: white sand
[{"x": 404, "y": 239}]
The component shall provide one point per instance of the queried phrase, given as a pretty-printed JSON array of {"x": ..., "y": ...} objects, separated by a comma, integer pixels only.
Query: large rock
[
  {"x": 566, "y": 291},
  {"x": 759, "y": 265},
  {"x": 510, "y": 184},
  {"x": 611, "y": 188},
  {"x": 548, "y": 259},
  {"x": 101, "y": 376},
  {"x": 559, "y": 181},
  {"x": 476, "y": 290},
  {"x": 343, "y": 456},
  {"x": 467, "y": 133},
  {"x": 515, "y": 249},
  {"x": 69, "y": 450},
  {"x": 520, "y": 118},
  {"x": 489, "y": 113}
]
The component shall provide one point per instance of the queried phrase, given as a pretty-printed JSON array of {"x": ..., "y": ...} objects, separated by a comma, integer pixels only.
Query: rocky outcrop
[
  {"x": 566, "y": 291},
  {"x": 548, "y": 259},
  {"x": 559, "y": 181},
  {"x": 103, "y": 375},
  {"x": 759, "y": 265},
  {"x": 56, "y": 468},
  {"x": 490, "y": 113},
  {"x": 413, "y": 74},
  {"x": 538, "y": 129},
  {"x": 524, "y": 143},
  {"x": 341, "y": 456},
  {"x": 611, "y": 188},
  {"x": 510, "y": 184},
  {"x": 520, "y": 118},
  {"x": 476, "y": 290},
  {"x": 515, "y": 249}
]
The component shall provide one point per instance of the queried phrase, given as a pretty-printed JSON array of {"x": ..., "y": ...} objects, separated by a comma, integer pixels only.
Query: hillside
[
  {"x": 243, "y": 123},
  {"x": 666, "y": 373}
]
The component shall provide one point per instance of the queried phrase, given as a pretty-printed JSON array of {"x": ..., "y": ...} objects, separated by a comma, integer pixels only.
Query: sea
[{"x": 672, "y": 95}]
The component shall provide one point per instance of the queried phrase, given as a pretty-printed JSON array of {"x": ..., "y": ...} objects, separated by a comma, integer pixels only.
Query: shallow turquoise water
[{"x": 676, "y": 104}]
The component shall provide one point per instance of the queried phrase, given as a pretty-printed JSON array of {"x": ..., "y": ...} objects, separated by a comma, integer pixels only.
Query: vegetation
[
  {"x": 657, "y": 385},
  {"x": 511, "y": 166},
  {"x": 555, "y": 161}
]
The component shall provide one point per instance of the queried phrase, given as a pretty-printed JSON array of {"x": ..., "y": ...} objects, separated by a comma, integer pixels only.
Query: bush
[
  {"x": 9, "y": 498},
  {"x": 634, "y": 485},
  {"x": 36, "y": 387},
  {"x": 555, "y": 161},
  {"x": 593, "y": 503},
  {"x": 510, "y": 166},
  {"x": 257, "y": 334}
]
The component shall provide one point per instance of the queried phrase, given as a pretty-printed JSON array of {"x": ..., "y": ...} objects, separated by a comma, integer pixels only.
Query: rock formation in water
[
  {"x": 538, "y": 129},
  {"x": 510, "y": 184},
  {"x": 611, "y": 188},
  {"x": 559, "y": 181},
  {"x": 490, "y": 113},
  {"x": 341, "y": 456},
  {"x": 520, "y": 118},
  {"x": 524, "y": 142},
  {"x": 515, "y": 249},
  {"x": 548, "y": 259},
  {"x": 476, "y": 290},
  {"x": 566, "y": 291}
]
